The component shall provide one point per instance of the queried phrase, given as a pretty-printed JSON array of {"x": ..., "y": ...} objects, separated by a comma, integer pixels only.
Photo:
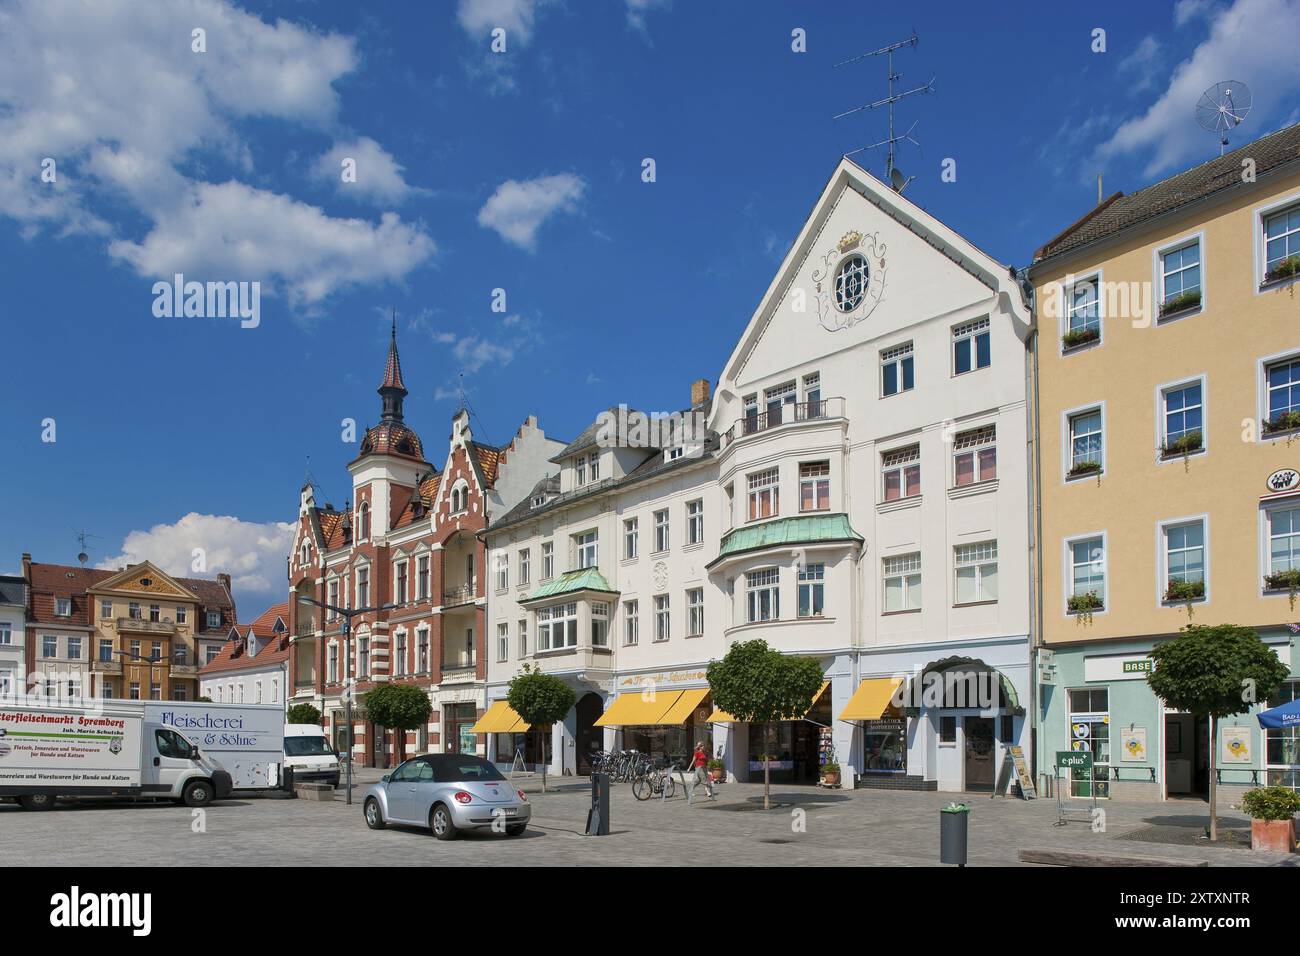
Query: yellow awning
[
  {"x": 680, "y": 712},
  {"x": 637, "y": 708},
  {"x": 500, "y": 719},
  {"x": 722, "y": 717},
  {"x": 871, "y": 699}
]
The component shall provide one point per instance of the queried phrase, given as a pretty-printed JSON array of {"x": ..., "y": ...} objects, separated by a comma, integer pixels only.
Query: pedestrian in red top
[{"x": 700, "y": 762}]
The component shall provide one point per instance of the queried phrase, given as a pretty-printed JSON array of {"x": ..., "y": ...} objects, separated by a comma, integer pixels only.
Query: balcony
[
  {"x": 106, "y": 667},
  {"x": 185, "y": 670},
  {"x": 458, "y": 596},
  {"x": 459, "y": 674},
  {"x": 778, "y": 415},
  {"x": 305, "y": 628},
  {"x": 138, "y": 625}
]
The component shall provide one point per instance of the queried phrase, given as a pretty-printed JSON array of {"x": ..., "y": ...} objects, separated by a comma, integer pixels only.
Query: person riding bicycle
[{"x": 700, "y": 763}]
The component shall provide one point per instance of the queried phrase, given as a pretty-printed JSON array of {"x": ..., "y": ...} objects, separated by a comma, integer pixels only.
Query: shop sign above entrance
[
  {"x": 1074, "y": 760},
  {"x": 1285, "y": 479}
]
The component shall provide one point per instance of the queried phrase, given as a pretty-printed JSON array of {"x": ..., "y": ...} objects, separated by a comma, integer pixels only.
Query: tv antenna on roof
[
  {"x": 896, "y": 178},
  {"x": 82, "y": 556},
  {"x": 1222, "y": 108}
]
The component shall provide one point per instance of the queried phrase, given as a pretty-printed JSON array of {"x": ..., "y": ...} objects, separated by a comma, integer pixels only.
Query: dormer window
[
  {"x": 214, "y": 620},
  {"x": 595, "y": 467},
  {"x": 580, "y": 470},
  {"x": 63, "y": 607},
  {"x": 539, "y": 500}
]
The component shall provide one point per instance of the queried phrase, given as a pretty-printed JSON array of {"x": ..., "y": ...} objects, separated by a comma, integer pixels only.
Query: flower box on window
[
  {"x": 1287, "y": 421},
  {"x": 1184, "y": 591},
  {"x": 1182, "y": 302},
  {"x": 1282, "y": 580},
  {"x": 1084, "y": 468},
  {"x": 1285, "y": 269},
  {"x": 1084, "y": 603},
  {"x": 1077, "y": 337},
  {"x": 1184, "y": 444}
]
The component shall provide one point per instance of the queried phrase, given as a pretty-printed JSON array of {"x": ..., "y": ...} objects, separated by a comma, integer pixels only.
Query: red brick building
[{"x": 409, "y": 540}]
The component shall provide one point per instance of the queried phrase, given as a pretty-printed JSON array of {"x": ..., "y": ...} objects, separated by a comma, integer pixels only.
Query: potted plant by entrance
[
  {"x": 717, "y": 770},
  {"x": 1272, "y": 818},
  {"x": 830, "y": 775}
]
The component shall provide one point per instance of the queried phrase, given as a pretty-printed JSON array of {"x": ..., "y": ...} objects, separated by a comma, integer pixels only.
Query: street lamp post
[{"x": 349, "y": 682}]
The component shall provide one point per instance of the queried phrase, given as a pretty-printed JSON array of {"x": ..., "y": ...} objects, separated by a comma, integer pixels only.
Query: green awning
[
  {"x": 586, "y": 579},
  {"x": 802, "y": 529}
]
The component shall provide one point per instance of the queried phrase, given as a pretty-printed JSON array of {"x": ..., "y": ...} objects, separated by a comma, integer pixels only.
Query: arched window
[
  {"x": 363, "y": 523},
  {"x": 306, "y": 553}
]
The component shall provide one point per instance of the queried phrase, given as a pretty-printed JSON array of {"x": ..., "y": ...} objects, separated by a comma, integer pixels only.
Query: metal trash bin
[
  {"x": 953, "y": 824},
  {"x": 598, "y": 815}
]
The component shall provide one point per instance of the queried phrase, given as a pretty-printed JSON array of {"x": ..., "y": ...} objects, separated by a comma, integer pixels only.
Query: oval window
[{"x": 851, "y": 283}]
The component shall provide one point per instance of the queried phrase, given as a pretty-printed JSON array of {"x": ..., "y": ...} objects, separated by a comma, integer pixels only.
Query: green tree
[
  {"x": 302, "y": 714},
  {"x": 399, "y": 707},
  {"x": 541, "y": 700},
  {"x": 759, "y": 685},
  {"x": 1215, "y": 671},
  {"x": 203, "y": 699}
]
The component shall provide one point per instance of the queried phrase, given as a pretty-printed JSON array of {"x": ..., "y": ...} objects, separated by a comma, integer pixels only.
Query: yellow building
[
  {"x": 151, "y": 632},
  {"x": 1168, "y": 378}
]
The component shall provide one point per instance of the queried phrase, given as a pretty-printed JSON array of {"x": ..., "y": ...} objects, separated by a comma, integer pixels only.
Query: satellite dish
[
  {"x": 83, "y": 557},
  {"x": 898, "y": 180},
  {"x": 1222, "y": 108}
]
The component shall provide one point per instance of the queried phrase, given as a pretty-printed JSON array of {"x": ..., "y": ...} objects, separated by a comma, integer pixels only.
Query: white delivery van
[
  {"x": 117, "y": 750},
  {"x": 247, "y": 740},
  {"x": 310, "y": 754}
]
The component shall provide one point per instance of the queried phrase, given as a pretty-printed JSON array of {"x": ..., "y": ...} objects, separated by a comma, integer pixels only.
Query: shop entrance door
[
  {"x": 979, "y": 753},
  {"x": 589, "y": 738}
]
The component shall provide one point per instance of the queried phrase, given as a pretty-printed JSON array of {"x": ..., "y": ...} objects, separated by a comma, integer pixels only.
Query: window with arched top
[
  {"x": 363, "y": 522},
  {"x": 306, "y": 553}
]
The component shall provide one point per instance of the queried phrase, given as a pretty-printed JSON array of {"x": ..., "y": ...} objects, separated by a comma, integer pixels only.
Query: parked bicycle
[{"x": 656, "y": 781}]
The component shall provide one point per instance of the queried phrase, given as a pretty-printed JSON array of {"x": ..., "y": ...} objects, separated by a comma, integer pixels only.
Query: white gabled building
[{"x": 862, "y": 499}]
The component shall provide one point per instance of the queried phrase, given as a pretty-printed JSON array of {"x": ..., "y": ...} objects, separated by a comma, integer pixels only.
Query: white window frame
[
  {"x": 63, "y": 607},
  {"x": 600, "y": 613},
  {"x": 761, "y": 484},
  {"x": 1066, "y": 294},
  {"x": 1158, "y": 275},
  {"x": 1262, "y": 396},
  {"x": 521, "y": 635},
  {"x": 893, "y": 461},
  {"x": 363, "y": 588},
  {"x": 503, "y": 642},
  {"x": 1258, "y": 216},
  {"x": 894, "y": 355},
  {"x": 423, "y": 577},
  {"x": 105, "y": 609},
  {"x": 971, "y": 331},
  {"x": 561, "y": 619},
  {"x": 1161, "y": 437},
  {"x": 422, "y": 650},
  {"x": 525, "y": 562},
  {"x": 1290, "y": 502},
  {"x": 811, "y": 578},
  {"x": 548, "y": 560},
  {"x": 586, "y": 549},
  {"x": 695, "y": 612},
  {"x": 908, "y": 566},
  {"x": 501, "y": 572},
  {"x": 663, "y": 618},
  {"x": 662, "y": 531},
  {"x": 761, "y": 582},
  {"x": 399, "y": 653},
  {"x": 815, "y": 481},
  {"x": 979, "y": 564},
  {"x": 974, "y": 451},
  {"x": 631, "y": 623},
  {"x": 695, "y": 521},
  {"x": 1067, "y": 439},
  {"x": 1162, "y": 556},
  {"x": 1067, "y": 571},
  {"x": 401, "y": 582},
  {"x": 631, "y": 538}
]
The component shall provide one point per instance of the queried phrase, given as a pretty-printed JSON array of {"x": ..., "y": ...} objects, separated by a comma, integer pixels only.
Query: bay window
[
  {"x": 764, "y": 494},
  {"x": 815, "y": 486}
]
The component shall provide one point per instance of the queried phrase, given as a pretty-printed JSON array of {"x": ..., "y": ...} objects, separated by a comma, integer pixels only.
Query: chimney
[
  {"x": 699, "y": 392},
  {"x": 224, "y": 581},
  {"x": 27, "y": 567}
]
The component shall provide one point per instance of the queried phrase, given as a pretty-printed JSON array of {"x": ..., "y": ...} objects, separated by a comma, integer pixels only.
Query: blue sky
[{"x": 476, "y": 171}]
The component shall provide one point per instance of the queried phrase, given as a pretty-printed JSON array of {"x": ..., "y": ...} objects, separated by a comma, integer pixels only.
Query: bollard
[
  {"x": 953, "y": 821},
  {"x": 598, "y": 815}
]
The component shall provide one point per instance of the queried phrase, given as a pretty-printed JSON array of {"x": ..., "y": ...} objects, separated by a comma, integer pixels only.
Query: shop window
[
  {"x": 1282, "y": 744},
  {"x": 1089, "y": 732}
]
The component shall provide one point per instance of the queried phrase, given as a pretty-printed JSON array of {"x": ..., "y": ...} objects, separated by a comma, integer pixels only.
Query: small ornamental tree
[
  {"x": 399, "y": 707},
  {"x": 1215, "y": 671},
  {"x": 540, "y": 700},
  {"x": 302, "y": 714},
  {"x": 759, "y": 685}
]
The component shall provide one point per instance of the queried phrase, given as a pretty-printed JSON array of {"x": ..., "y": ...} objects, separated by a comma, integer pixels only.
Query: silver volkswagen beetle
[{"x": 447, "y": 793}]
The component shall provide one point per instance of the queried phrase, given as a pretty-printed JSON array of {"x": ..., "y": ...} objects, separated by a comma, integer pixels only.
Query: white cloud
[
  {"x": 241, "y": 233},
  {"x": 479, "y": 18},
  {"x": 115, "y": 94},
  {"x": 1187, "y": 10},
  {"x": 517, "y": 210},
  {"x": 637, "y": 10},
  {"x": 1143, "y": 64},
  {"x": 251, "y": 553},
  {"x": 1245, "y": 39},
  {"x": 473, "y": 353},
  {"x": 378, "y": 175}
]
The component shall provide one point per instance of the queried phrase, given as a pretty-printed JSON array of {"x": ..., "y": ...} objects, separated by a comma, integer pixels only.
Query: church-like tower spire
[{"x": 392, "y": 391}]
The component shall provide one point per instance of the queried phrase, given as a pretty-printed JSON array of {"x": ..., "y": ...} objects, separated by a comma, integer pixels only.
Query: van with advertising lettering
[
  {"x": 102, "y": 749},
  {"x": 246, "y": 740}
]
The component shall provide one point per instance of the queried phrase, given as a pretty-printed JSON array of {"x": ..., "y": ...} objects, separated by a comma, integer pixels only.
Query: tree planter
[
  {"x": 1276, "y": 836},
  {"x": 830, "y": 778}
]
